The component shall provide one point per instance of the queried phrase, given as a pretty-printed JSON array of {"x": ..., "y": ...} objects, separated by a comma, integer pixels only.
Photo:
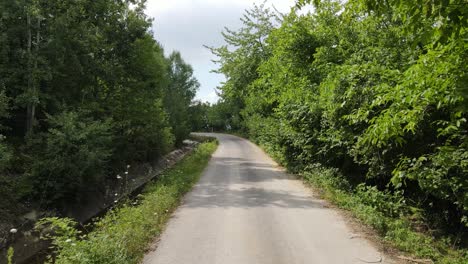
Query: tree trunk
[
  {"x": 29, "y": 110},
  {"x": 32, "y": 78}
]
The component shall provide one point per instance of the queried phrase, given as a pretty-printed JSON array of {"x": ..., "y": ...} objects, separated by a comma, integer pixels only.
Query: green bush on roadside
[
  {"x": 384, "y": 211},
  {"x": 74, "y": 154},
  {"x": 123, "y": 234}
]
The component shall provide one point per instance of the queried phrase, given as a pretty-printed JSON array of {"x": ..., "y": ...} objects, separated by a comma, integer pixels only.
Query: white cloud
[
  {"x": 211, "y": 97},
  {"x": 187, "y": 25}
]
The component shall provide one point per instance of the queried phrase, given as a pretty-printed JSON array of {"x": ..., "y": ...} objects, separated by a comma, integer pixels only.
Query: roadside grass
[
  {"x": 386, "y": 213},
  {"x": 123, "y": 235}
]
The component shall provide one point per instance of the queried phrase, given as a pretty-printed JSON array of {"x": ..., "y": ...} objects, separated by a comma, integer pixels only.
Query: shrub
[
  {"x": 74, "y": 154},
  {"x": 384, "y": 211},
  {"x": 390, "y": 204}
]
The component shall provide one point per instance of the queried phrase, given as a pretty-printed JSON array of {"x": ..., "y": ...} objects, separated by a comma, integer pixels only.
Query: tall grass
[
  {"x": 385, "y": 212},
  {"x": 123, "y": 235}
]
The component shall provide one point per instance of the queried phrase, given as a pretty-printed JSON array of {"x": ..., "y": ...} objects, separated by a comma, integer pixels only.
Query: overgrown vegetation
[
  {"x": 213, "y": 117},
  {"x": 124, "y": 233},
  {"x": 374, "y": 90},
  {"x": 388, "y": 213},
  {"x": 84, "y": 91}
]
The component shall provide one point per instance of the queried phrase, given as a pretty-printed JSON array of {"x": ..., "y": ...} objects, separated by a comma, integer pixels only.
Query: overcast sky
[{"x": 187, "y": 25}]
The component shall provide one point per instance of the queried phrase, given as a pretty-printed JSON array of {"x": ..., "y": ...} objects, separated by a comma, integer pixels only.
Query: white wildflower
[
  {"x": 116, "y": 194},
  {"x": 126, "y": 173},
  {"x": 334, "y": 46},
  {"x": 13, "y": 230},
  {"x": 119, "y": 177},
  {"x": 128, "y": 166}
]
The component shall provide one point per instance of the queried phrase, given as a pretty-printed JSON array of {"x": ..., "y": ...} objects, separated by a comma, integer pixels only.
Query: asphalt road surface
[{"x": 247, "y": 210}]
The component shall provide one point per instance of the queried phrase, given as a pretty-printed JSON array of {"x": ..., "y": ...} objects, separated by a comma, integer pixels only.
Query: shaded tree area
[
  {"x": 221, "y": 116},
  {"x": 375, "y": 89},
  {"x": 84, "y": 90}
]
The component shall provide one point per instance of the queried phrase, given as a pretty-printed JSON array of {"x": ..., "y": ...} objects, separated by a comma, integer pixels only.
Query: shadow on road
[{"x": 240, "y": 183}]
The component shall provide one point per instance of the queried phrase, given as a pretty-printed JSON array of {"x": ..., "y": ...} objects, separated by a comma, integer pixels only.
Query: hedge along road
[{"x": 245, "y": 209}]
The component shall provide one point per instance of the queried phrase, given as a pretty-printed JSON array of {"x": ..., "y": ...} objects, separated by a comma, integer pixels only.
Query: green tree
[
  {"x": 75, "y": 152},
  {"x": 369, "y": 87},
  {"x": 179, "y": 95},
  {"x": 243, "y": 53},
  {"x": 198, "y": 112},
  {"x": 78, "y": 73}
]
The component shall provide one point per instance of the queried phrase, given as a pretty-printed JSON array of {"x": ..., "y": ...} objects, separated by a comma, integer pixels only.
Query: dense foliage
[
  {"x": 84, "y": 90},
  {"x": 376, "y": 91}
]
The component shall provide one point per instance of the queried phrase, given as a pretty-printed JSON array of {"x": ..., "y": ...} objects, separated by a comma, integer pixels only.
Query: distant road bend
[{"x": 246, "y": 210}]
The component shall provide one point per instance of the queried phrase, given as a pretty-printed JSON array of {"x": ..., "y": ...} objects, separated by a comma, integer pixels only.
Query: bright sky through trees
[{"x": 187, "y": 25}]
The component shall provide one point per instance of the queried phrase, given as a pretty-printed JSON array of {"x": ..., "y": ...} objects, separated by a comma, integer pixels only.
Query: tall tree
[
  {"x": 243, "y": 53},
  {"x": 369, "y": 87},
  {"x": 179, "y": 95},
  {"x": 85, "y": 83}
]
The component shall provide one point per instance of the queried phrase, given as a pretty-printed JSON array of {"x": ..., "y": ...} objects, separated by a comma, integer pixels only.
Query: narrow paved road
[{"x": 245, "y": 210}]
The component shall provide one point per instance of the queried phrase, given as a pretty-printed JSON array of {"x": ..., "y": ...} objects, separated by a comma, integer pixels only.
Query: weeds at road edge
[
  {"x": 386, "y": 213},
  {"x": 124, "y": 233}
]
